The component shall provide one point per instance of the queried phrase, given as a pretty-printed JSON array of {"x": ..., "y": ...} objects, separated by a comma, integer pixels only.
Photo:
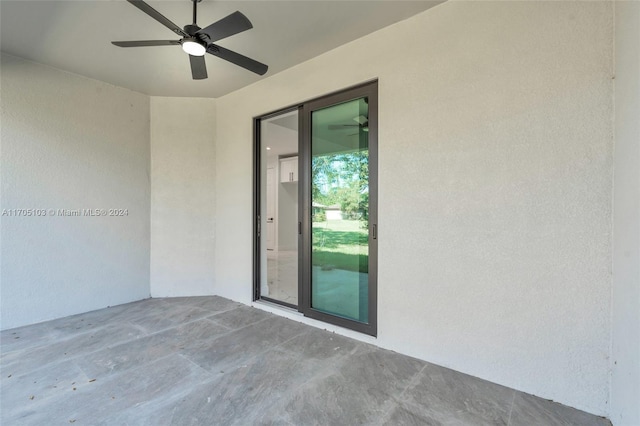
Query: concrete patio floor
[{"x": 210, "y": 361}]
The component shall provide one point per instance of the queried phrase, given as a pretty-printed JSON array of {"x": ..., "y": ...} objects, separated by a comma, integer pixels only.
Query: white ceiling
[{"x": 76, "y": 36}]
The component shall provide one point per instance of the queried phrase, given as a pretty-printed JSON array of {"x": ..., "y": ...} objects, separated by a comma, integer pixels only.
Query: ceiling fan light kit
[
  {"x": 192, "y": 47},
  {"x": 197, "y": 41}
]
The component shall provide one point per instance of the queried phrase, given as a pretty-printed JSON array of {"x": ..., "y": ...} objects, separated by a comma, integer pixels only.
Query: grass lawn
[{"x": 341, "y": 244}]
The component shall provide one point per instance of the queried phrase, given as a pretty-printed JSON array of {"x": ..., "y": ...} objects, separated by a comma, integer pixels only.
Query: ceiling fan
[
  {"x": 361, "y": 122},
  {"x": 197, "y": 41}
]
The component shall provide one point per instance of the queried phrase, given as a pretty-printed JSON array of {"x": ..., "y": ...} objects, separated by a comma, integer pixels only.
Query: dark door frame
[
  {"x": 369, "y": 90},
  {"x": 256, "y": 203}
]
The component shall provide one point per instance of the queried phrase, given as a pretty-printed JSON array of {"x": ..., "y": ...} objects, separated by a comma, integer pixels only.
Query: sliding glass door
[
  {"x": 278, "y": 208},
  {"x": 340, "y": 203},
  {"x": 336, "y": 221}
]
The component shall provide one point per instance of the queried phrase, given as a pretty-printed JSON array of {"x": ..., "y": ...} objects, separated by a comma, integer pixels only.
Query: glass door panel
[
  {"x": 340, "y": 210},
  {"x": 279, "y": 208}
]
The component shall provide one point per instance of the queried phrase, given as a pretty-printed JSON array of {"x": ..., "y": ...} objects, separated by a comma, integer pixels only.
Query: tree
[{"x": 342, "y": 179}]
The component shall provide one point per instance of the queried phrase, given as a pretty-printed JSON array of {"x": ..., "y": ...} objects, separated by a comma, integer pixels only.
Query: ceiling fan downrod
[
  {"x": 195, "y": 10},
  {"x": 192, "y": 29}
]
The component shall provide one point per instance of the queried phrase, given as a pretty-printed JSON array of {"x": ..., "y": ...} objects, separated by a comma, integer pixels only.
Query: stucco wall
[
  {"x": 495, "y": 144},
  {"x": 182, "y": 196},
  {"x": 71, "y": 143},
  {"x": 625, "y": 349}
]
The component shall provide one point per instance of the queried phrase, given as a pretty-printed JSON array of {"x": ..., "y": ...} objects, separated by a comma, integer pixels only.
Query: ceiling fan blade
[
  {"x": 198, "y": 67},
  {"x": 228, "y": 26},
  {"x": 158, "y": 17},
  {"x": 142, "y": 43},
  {"x": 341, "y": 126},
  {"x": 238, "y": 59}
]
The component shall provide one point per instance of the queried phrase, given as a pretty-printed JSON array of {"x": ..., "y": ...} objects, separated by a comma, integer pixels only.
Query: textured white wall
[
  {"x": 625, "y": 356},
  {"x": 182, "y": 196},
  {"x": 495, "y": 188},
  {"x": 69, "y": 142}
]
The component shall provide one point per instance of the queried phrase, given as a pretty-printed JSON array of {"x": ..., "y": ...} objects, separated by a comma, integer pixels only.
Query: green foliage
[
  {"x": 319, "y": 215},
  {"x": 342, "y": 179}
]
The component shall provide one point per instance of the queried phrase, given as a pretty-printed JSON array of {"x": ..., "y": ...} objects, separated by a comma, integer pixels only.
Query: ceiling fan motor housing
[{"x": 191, "y": 29}]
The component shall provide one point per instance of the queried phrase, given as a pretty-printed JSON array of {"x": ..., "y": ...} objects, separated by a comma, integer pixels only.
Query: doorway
[
  {"x": 316, "y": 208},
  {"x": 278, "y": 144}
]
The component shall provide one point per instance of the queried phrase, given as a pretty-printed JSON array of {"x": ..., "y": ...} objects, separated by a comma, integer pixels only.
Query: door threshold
[
  {"x": 268, "y": 304},
  {"x": 294, "y": 315}
]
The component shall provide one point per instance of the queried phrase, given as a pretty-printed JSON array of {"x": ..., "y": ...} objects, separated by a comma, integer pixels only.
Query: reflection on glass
[
  {"x": 340, "y": 207},
  {"x": 279, "y": 208}
]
